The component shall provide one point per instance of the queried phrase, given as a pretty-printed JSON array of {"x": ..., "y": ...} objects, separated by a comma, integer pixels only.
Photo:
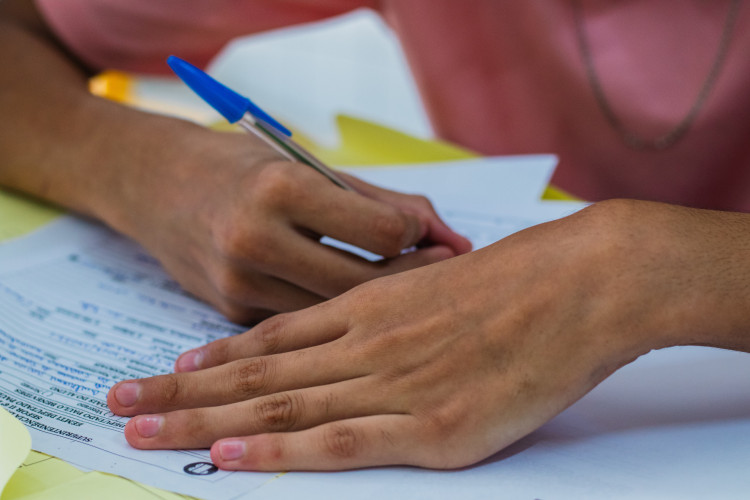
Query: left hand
[{"x": 444, "y": 365}]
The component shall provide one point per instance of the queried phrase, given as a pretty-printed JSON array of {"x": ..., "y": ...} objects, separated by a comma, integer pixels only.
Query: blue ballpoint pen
[{"x": 239, "y": 109}]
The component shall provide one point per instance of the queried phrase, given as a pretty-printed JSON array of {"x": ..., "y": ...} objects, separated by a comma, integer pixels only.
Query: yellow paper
[
  {"x": 20, "y": 214},
  {"x": 98, "y": 485},
  {"x": 38, "y": 473},
  {"x": 42, "y": 477},
  {"x": 366, "y": 143},
  {"x": 15, "y": 444}
]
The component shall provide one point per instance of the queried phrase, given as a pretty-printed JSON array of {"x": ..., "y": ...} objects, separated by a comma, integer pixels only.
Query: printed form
[{"x": 75, "y": 323}]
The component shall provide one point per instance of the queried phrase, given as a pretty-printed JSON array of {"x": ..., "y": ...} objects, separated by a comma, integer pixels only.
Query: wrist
[
  {"x": 680, "y": 275},
  {"x": 714, "y": 295},
  {"x": 142, "y": 158}
]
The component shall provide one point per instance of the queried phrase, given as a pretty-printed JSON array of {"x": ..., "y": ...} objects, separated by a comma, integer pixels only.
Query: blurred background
[{"x": 305, "y": 75}]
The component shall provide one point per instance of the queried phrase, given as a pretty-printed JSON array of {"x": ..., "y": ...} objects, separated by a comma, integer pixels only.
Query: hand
[
  {"x": 444, "y": 365},
  {"x": 239, "y": 228},
  {"x": 232, "y": 223}
]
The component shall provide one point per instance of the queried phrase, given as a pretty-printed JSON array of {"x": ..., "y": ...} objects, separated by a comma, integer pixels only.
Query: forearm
[
  {"x": 659, "y": 275},
  {"x": 59, "y": 142}
]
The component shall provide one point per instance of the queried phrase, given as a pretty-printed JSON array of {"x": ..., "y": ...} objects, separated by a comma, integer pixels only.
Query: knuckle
[
  {"x": 261, "y": 249},
  {"x": 229, "y": 239},
  {"x": 268, "y": 334},
  {"x": 170, "y": 389},
  {"x": 274, "y": 185},
  {"x": 250, "y": 377},
  {"x": 441, "y": 421},
  {"x": 390, "y": 230},
  {"x": 278, "y": 413},
  {"x": 442, "y": 433},
  {"x": 246, "y": 240},
  {"x": 356, "y": 302},
  {"x": 361, "y": 302},
  {"x": 423, "y": 203},
  {"x": 342, "y": 441}
]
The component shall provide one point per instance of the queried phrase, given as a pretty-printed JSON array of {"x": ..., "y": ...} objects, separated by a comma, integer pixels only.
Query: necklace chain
[{"x": 664, "y": 141}]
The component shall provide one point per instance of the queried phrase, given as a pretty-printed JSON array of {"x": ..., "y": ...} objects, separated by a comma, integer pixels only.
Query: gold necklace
[{"x": 632, "y": 139}]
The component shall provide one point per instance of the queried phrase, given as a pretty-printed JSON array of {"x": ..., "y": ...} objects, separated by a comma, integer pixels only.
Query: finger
[
  {"x": 280, "y": 412},
  {"x": 280, "y": 333},
  {"x": 438, "y": 232},
  {"x": 346, "y": 444},
  {"x": 348, "y": 216},
  {"x": 244, "y": 296},
  {"x": 329, "y": 272},
  {"x": 236, "y": 381}
]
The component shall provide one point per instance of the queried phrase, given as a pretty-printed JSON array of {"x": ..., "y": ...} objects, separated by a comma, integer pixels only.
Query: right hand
[
  {"x": 232, "y": 223},
  {"x": 240, "y": 228}
]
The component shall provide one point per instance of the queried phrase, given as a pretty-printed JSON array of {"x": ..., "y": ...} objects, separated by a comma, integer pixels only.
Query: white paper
[
  {"x": 89, "y": 308},
  {"x": 485, "y": 185},
  {"x": 81, "y": 307}
]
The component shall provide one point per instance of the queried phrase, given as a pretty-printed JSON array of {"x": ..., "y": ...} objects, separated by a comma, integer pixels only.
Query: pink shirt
[{"x": 506, "y": 77}]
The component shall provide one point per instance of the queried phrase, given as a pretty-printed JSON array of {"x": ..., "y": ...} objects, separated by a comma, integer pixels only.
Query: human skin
[
  {"x": 235, "y": 224},
  {"x": 445, "y": 365}
]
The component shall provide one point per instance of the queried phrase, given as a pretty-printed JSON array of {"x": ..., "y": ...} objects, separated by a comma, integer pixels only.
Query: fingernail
[
  {"x": 127, "y": 394},
  {"x": 231, "y": 450},
  {"x": 148, "y": 426},
  {"x": 190, "y": 361}
]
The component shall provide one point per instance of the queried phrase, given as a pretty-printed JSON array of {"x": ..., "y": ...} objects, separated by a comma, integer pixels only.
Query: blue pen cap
[{"x": 226, "y": 101}]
